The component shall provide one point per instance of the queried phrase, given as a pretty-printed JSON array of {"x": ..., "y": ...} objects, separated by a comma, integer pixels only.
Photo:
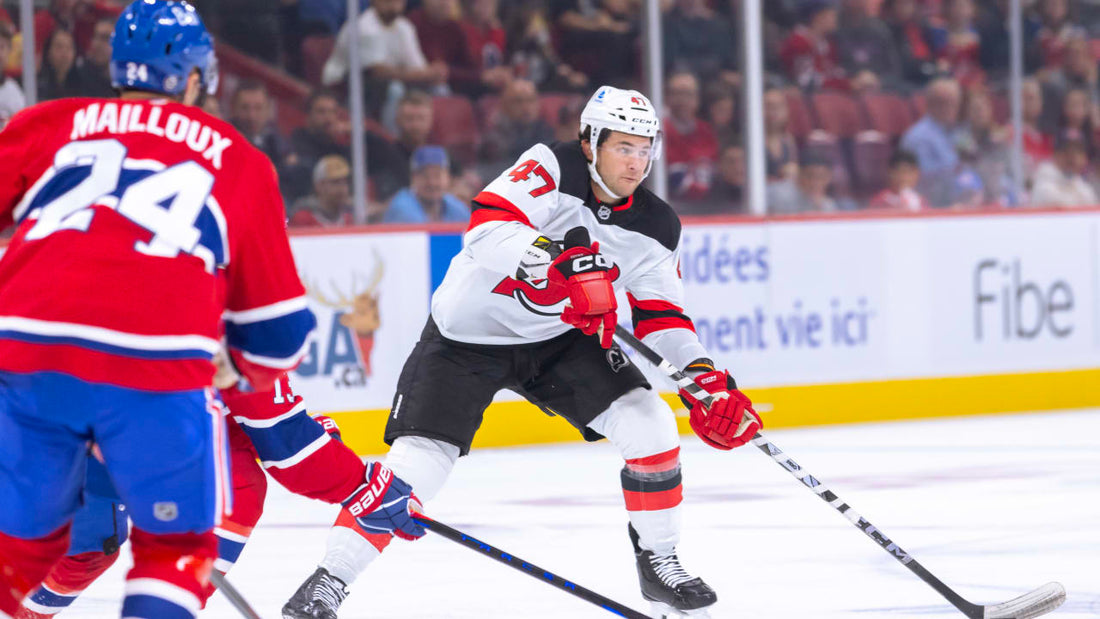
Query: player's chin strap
[
  {"x": 596, "y": 175},
  {"x": 1038, "y": 602}
]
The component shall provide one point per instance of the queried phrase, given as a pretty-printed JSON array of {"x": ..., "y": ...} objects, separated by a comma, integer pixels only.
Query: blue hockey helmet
[{"x": 157, "y": 44}]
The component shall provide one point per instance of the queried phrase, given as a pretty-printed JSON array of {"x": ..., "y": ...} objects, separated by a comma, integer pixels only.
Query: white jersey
[{"x": 546, "y": 194}]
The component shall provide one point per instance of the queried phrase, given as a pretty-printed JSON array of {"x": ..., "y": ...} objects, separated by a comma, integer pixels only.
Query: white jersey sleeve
[
  {"x": 656, "y": 303},
  {"x": 504, "y": 232}
]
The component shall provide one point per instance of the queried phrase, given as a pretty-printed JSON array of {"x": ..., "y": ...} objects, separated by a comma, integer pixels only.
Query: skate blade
[{"x": 660, "y": 610}]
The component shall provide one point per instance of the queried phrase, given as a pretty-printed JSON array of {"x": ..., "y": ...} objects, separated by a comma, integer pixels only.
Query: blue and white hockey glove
[{"x": 385, "y": 504}]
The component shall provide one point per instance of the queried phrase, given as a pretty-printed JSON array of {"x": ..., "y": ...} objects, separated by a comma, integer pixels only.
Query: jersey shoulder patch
[
  {"x": 574, "y": 178},
  {"x": 652, "y": 217}
]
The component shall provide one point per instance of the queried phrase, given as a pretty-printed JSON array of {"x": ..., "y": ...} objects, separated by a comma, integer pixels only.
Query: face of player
[
  {"x": 431, "y": 182},
  {"x": 622, "y": 161}
]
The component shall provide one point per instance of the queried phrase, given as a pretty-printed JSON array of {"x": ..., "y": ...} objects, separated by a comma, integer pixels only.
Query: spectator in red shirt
[
  {"x": 443, "y": 41},
  {"x": 690, "y": 143},
  {"x": 487, "y": 41},
  {"x": 809, "y": 55},
  {"x": 901, "y": 191},
  {"x": 330, "y": 203}
]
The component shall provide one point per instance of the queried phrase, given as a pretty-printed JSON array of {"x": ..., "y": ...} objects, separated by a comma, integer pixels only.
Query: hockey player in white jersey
[{"x": 518, "y": 310}]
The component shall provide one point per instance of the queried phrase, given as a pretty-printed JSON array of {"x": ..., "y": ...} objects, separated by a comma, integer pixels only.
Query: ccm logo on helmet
[
  {"x": 374, "y": 494},
  {"x": 643, "y": 121}
]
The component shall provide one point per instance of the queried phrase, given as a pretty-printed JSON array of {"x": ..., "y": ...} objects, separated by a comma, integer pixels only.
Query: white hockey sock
[
  {"x": 422, "y": 462},
  {"x": 658, "y": 530},
  {"x": 348, "y": 554}
]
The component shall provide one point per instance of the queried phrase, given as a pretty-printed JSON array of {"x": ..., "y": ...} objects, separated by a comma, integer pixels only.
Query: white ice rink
[{"x": 993, "y": 506}]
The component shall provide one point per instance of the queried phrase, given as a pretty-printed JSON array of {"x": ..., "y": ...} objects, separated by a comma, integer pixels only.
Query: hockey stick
[
  {"x": 534, "y": 571},
  {"x": 235, "y": 598},
  {"x": 1038, "y": 602}
]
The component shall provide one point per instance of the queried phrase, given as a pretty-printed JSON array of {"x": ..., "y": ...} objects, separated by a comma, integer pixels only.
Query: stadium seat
[
  {"x": 488, "y": 107},
  {"x": 871, "y": 151},
  {"x": 888, "y": 114},
  {"x": 315, "y": 52},
  {"x": 838, "y": 113},
  {"x": 800, "y": 121},
  {"x": 455, "y": 128},
  {"x": 826, "y": 145}
]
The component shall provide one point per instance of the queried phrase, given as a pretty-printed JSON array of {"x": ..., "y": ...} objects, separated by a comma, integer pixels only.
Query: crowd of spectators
[{"x": 894, "y": 105}]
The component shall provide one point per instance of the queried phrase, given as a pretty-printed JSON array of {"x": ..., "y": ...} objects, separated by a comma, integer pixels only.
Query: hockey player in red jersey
[
  {"x": 266, "y": 431},
  {"x": 113, "y": 302},
  {"x": 502, "y": 318}
]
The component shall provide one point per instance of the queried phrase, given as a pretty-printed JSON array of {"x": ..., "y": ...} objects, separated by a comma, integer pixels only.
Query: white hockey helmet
[{"x": 627, "y": 111}]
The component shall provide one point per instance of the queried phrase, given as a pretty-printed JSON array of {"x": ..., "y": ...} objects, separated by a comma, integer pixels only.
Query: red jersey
[
  {"x": 145, "y": 230},
  {"x": 812, "y": 62},
  {"x": 691, "y": 158}
]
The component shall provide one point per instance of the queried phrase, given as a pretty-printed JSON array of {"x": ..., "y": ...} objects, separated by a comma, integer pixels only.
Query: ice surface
[{"x": 994, "y": 506}]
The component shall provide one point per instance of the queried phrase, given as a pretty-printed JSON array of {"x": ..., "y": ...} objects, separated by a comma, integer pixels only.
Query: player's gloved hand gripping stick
[
  {"x": 584, "y": 273},
  {"x": 1038, "y": 602}
]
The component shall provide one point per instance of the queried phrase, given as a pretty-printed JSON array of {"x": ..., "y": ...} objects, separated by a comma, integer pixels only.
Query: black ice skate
[
  {"x": 671, "y": 590},
  {"x": 319, "y": 597}
]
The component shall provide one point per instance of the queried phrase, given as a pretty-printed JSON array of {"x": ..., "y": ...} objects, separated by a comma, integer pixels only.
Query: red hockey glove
[
  {"x": 330, "y": 426},
  {"x": 385, "y": 504},
  {"x": 586, "y": 276},
  {"x": 730, "y": 422}
]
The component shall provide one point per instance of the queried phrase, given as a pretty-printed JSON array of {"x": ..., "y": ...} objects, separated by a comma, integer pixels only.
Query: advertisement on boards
[{"x": 370, "y": 295}]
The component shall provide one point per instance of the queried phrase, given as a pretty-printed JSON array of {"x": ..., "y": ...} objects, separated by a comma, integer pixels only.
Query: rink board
[{"x": 821, "y": 320}]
